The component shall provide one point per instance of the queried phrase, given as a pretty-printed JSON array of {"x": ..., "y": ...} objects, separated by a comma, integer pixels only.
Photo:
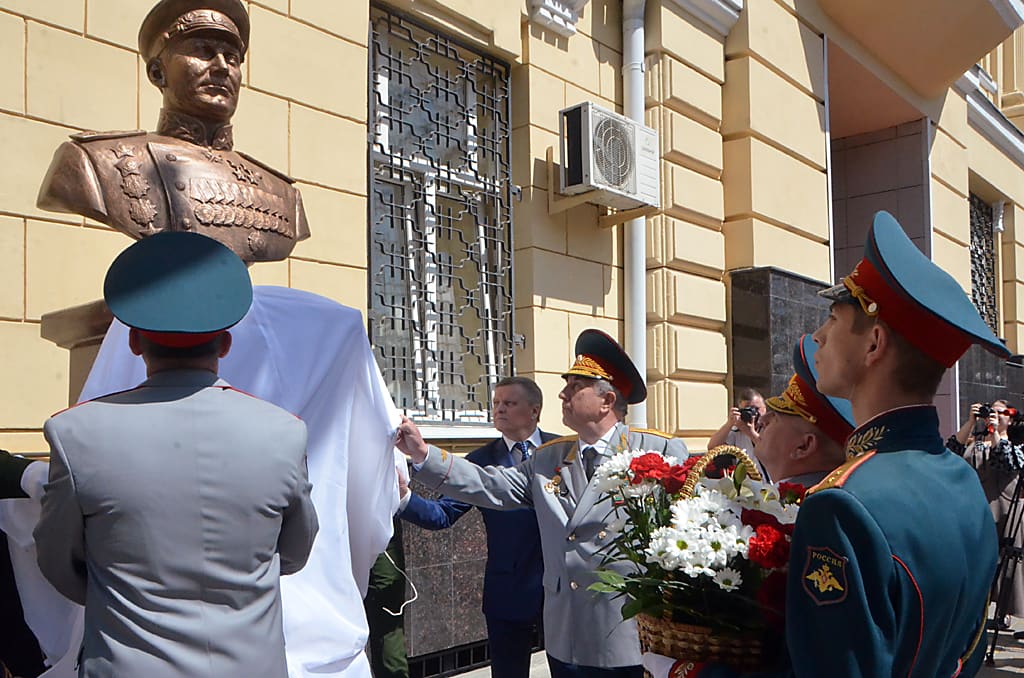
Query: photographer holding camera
[
  {"x": 992, "y": 441},
  {"x": 740, "y": 429}
]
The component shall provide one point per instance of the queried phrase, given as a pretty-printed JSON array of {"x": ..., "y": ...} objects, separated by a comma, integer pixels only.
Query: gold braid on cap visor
[
  {"x": 198, "y": 19},
  {"x": 792, "y": 401},
  {"x": 585, "y": 366},
  {"x": 867, "y": 304}
]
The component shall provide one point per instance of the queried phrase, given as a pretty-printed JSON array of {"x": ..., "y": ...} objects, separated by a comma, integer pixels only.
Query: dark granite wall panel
[
  {"x": 447, "y": 567},
  {"x": 771, "y": 308},
  {"x": 984, "y": 378}
]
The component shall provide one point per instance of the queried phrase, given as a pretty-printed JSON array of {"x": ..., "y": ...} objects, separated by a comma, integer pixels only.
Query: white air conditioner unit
[{"x": 610, "y": 154}]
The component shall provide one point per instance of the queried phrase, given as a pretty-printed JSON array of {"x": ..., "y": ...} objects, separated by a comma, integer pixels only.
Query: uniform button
[
  {"x": 171, "y": 157},
  {"x": 572, "y": 537},
  {"x": 602, "y": 534},
  {"x": 186, "y": 224},
  {"x": 180, "y": 185},
  {"x": 573, "y": 585}
]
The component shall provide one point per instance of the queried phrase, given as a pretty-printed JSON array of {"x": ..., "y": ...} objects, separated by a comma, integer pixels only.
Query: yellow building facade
[{"x": 783, "y": 125}]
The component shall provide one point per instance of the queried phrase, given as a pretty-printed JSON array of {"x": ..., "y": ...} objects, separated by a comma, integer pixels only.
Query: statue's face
[{"x": 202, "y": 76}]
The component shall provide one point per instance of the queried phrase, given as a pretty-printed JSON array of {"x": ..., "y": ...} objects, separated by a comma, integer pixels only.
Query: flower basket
[
  {"x": 699, "y": 643},
  {"x": 701, "y": 560}
]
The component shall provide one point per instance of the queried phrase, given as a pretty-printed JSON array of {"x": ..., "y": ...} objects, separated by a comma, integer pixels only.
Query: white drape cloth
[{"x": 310, "y": 356}]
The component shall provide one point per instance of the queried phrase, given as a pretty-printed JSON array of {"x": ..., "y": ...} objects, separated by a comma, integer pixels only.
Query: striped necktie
[{"x": 524, "y": 448}]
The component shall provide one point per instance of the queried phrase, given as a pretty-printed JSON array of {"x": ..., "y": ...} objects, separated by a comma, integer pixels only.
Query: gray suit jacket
[
  {"x": 171, "y": 511},
  {"x": 580, "y": 627}
]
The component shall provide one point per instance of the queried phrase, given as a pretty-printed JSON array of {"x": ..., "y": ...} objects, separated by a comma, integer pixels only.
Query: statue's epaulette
[
  {"x": 279, "y": 174},
  {"x": 839, "y": 476},
  {"x": 100, "y": 136},
  {"x": 563, "y": 439},
  {"x": 653, "y": 432}
]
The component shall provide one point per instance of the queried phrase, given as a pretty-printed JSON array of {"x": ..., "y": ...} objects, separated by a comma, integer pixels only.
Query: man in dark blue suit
[{"x": 513, "y": 577}]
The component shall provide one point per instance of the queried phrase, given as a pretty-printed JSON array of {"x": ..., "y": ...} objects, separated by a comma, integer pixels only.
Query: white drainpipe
[{"x": 634, "y": 241}]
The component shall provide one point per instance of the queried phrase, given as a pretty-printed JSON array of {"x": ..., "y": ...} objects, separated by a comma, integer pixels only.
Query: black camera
[
  {"x": 984, "y": 411},
  {"x": 749, "y": 414}
]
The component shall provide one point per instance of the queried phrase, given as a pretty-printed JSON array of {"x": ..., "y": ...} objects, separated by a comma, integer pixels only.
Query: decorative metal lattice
[
  {"x": 440, "y": 220},
  {"x": 983, "y": 262}
]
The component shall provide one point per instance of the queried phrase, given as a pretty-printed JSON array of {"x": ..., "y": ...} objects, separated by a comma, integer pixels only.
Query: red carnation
[
  {"x": 675, "y": 479},
  {"x": 756, "y": 518},
  {"x": 650, "y": 466},
  {"x": 792, "y": 493},
  {"x": 769, "y": 547}
]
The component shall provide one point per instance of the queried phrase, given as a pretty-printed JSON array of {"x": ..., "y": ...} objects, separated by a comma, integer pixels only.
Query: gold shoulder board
[
  {"x": 651, "y": 431},
  {"x": 839, "y": 476},
  {"x": 563, "y": 439},
  {"x": 100, "y": 136}
]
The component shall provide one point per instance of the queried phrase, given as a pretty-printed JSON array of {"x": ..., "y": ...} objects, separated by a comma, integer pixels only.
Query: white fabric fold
[{"x": 310, "y": 356}]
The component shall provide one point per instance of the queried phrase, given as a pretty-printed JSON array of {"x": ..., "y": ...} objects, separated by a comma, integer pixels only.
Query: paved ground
[
  {"x": 1009, "y": 655},
  {"x": 1009, "y": 660}
]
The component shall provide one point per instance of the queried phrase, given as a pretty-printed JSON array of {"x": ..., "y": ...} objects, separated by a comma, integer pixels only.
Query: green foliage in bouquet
[{"x": 704, "y": 551}]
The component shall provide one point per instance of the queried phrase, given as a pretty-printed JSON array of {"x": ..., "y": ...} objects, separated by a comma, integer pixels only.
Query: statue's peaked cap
[{"x": 171, "y": 18}]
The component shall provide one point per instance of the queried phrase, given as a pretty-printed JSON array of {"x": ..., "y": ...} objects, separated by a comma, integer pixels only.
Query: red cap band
[
  {"x": 927, "y": 332},
  {"x": 180, "y": 339}
]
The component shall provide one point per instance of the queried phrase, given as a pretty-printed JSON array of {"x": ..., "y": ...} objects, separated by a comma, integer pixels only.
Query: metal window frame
[{"x": 497, "y": 189}]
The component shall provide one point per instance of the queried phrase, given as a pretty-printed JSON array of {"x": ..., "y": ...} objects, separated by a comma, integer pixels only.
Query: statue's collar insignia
[{"x": 195, "y": 131}]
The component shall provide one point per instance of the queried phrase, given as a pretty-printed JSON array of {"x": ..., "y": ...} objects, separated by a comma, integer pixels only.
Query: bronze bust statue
[{"x": 185, "y": 175}]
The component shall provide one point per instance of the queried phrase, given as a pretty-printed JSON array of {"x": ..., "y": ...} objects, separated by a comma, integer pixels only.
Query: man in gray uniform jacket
[
  {"x": 584, "y": 633},
  {"x": 173, "y": 508}
]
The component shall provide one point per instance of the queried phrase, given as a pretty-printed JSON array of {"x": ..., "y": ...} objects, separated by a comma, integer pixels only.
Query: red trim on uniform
[
  {"x": 685, "y": 668},
  {"x": 920, "y": 601},
  {"x": 180, "y": 339},
  {"x": 959, "y": 668},
  {"x": 834, "y": 426},
  {"x": 107, "y": 395},
  {"x": 930, "y": 334},
  {"x": 841, "y": 480}
]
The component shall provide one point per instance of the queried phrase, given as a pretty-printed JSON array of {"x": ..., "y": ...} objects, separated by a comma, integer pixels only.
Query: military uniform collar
[
  {"x": 915, "y": 427},
  {"x": 184, "y": 377},
  {"x": 193, "y": 130}
]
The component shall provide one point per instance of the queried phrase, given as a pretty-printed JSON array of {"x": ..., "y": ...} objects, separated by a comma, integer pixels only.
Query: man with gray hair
[{"x": 584, "y": 632}]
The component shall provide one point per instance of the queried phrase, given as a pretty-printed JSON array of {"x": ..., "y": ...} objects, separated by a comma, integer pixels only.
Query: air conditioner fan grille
[{"x": 613, "y": 151}]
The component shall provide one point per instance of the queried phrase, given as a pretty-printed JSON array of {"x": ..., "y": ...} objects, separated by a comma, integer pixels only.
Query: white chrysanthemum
[
  {"x": 685, "y": 550},
  {"x": 613, "y": 474},
  {"x": 728, "y": 579},
  {"x": 640, "y": 490}
]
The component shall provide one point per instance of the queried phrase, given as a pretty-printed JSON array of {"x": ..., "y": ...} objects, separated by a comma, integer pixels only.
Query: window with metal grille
[
  {"x": 983, "y": 262},
  {"x": 440, "y": 270}
]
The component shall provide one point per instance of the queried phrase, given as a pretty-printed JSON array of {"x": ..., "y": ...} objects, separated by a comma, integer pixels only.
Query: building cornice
[
  {"x": 1010, "y": 11},
  {"x": 559, "y": 16},
  {"x": 986, "y": 117},
  {"x": 718, "y": 15}
]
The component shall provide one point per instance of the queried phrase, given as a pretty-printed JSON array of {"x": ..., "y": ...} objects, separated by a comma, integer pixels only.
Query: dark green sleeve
[
  {"x": 843, "y": 610},
  {"x": 11, "y": 469}
]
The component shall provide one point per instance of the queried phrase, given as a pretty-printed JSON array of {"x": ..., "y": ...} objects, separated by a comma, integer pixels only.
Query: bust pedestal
[{"x": 80, "y": 329}]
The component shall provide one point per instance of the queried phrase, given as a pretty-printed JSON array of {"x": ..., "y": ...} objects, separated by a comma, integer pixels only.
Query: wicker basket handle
[{"x": 697, "y": 472}]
